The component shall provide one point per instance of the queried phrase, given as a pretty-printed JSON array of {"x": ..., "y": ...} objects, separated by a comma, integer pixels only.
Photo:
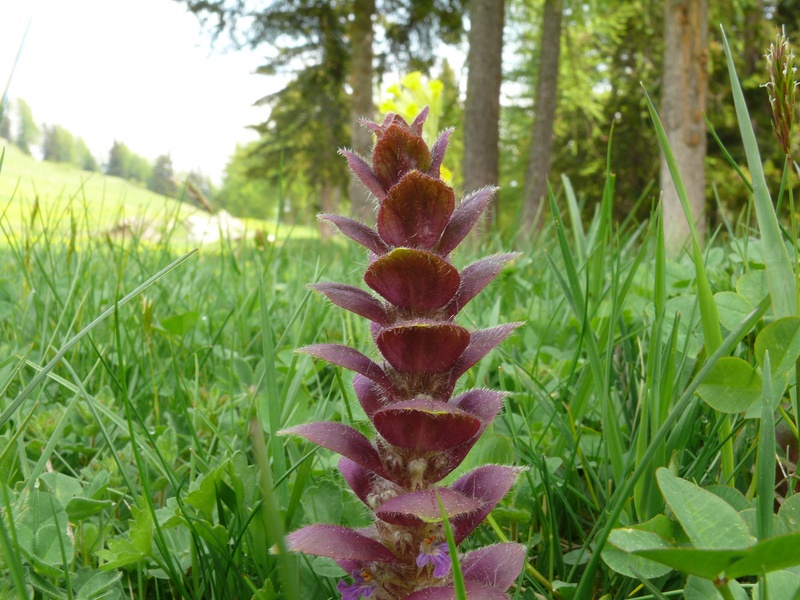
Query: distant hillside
[
  {"x": 59, "y": 186},
  {"x": 100, "y": 203}
]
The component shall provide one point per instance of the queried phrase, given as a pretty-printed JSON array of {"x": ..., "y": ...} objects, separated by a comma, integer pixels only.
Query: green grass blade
[
  {"x": 780, "y": 276},
  {"x": 4, "y": 97},
  {"x": 458, "y": 576},
  {"x": 622, "y": 495},
  {"x": 709, "y": 315},
  {"x": 575, "y": 291},
  {"x": 765, "y": 462},
  {"x": 575, "y": 219},
  {"x": 270, "y": 415},
  {"x": 40, "y": 376},
  {"x": 273, "y": 521},
  {"x": 708, "y": 307}
]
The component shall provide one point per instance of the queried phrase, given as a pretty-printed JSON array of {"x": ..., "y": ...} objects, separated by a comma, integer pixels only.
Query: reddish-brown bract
[{"x": 422, "y": 432}]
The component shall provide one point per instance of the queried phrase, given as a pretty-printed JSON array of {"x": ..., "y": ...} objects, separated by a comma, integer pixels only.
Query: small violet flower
[
  {"x": 362, "y": 586},
  {"x": 437, "y": 553}
]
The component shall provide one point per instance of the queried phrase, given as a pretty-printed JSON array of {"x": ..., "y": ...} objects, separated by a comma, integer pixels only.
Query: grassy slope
[
  {"x": 97, "y": 201},
  {"x": 24, "y": 178}
]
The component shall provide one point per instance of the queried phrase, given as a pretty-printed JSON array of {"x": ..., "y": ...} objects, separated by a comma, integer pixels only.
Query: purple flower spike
[
  {"x": 436, "y": 554},
  {"x": 420, "y": 432},
  {"x": 362, "y": 587}
]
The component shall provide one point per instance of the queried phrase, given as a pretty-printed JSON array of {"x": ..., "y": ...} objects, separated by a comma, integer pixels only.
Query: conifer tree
[
  {"x": 58, "y": 145},
  {"x": 162, "y": 177},
  {"x": 28, "y": 132}
]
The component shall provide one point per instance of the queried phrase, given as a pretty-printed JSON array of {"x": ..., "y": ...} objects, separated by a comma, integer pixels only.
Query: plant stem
[
  {"x": 727, "y": 450},
  {"x": 722, "y": 588}
]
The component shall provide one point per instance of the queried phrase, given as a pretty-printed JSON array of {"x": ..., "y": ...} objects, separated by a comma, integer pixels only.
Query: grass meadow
[{"x": 652, "y": 401}]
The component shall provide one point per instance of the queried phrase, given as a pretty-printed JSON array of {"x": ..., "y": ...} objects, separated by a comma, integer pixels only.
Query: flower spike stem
[{"x": 422, "y": 432}]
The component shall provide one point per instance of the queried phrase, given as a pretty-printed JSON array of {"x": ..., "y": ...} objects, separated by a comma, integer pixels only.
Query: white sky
[{"x": 139, "y": 71}]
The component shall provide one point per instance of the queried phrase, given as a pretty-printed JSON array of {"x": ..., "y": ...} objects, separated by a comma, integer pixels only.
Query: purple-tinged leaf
[
  {"x": 464, "y": 218},
  {"x": 474, "y": 592},
  {"x": 339, "y": 543},
  {"x": 483, "y": 404},
  {"x": 363, "y": 171},
  {"x": 419, "y": 121},
  {"x": 413, "y": 280},
  {"x": 495, "y": 566},
  {"x": 341, "y": 439},
  {"x": 416, "y": 211},
  {"x": 398, "y": 151},
  {"x": 349, "y": 358},
  {"x": 349, "y": 566},
  {"x": 358, "y": 478},
  {"x": 437, "y": 152},
  {"x": 480, "y": 344},
  {"x": 353, "y": 299},
  {"x": 425, "y": 424},
  {"x": 373, "y": 127},
  {"x": 423, "y": 346},
  {"x": 370, "y": 395},
  {"x": 475, "y": 277},
  {"x": 487, "y": 485},
  {"x": 390, "y": 119},
  {"x": 420, "y": 507},
  {"x": 366, "y": 236}
]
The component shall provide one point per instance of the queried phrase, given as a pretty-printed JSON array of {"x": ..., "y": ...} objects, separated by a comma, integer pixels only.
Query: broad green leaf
[
  {"x": 731, "y": 495},
  {"x": 327, "y": 502},
  {"x": 326, "y": 567},
  {"x": 790, "y": 513},
  {"x": 732, "y": 307},
  {"x": 705, "y": 563},
  {"x": 627, "y": 541},
  {"x": 63, "y": 487},
  {"x": 751, "y": 518},
  {"x": 204, "y": 495},
  {"x": 95, "y": 584},
  {"x": 243, "y": 372},
  {"x": 731, "y": 386},
  {"x": 566, "y": 590},
  {"x": 80, "y": 508},
  {"x": 779, "y": 383},
  {"x": 708, "y": 520},
  {"x": 769, "y": 555},
  {"x": 782, "y": 339},
  {"x": 752, "y": 286},
  {"x": 685, "y": 309},
  {"x": 214, "y": 534},
  {"x": 96, "y": 488},
  {"x": 41, "y": 524},
  {"x": 180, "y": 324},
  {"x": 138, "y": 546},
  {"x": 772, "y": 554},
  {"x": 267, "y": 592},
  {"x": 781, "y": 585}
]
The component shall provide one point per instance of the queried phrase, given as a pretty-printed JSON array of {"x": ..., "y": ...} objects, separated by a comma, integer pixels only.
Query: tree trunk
[
  {"x": 482, "y": 118},
  {"x": 541, "y": 152},
  {"x": 685, "y": 83},
  {"x": 362, "y": 105}
]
